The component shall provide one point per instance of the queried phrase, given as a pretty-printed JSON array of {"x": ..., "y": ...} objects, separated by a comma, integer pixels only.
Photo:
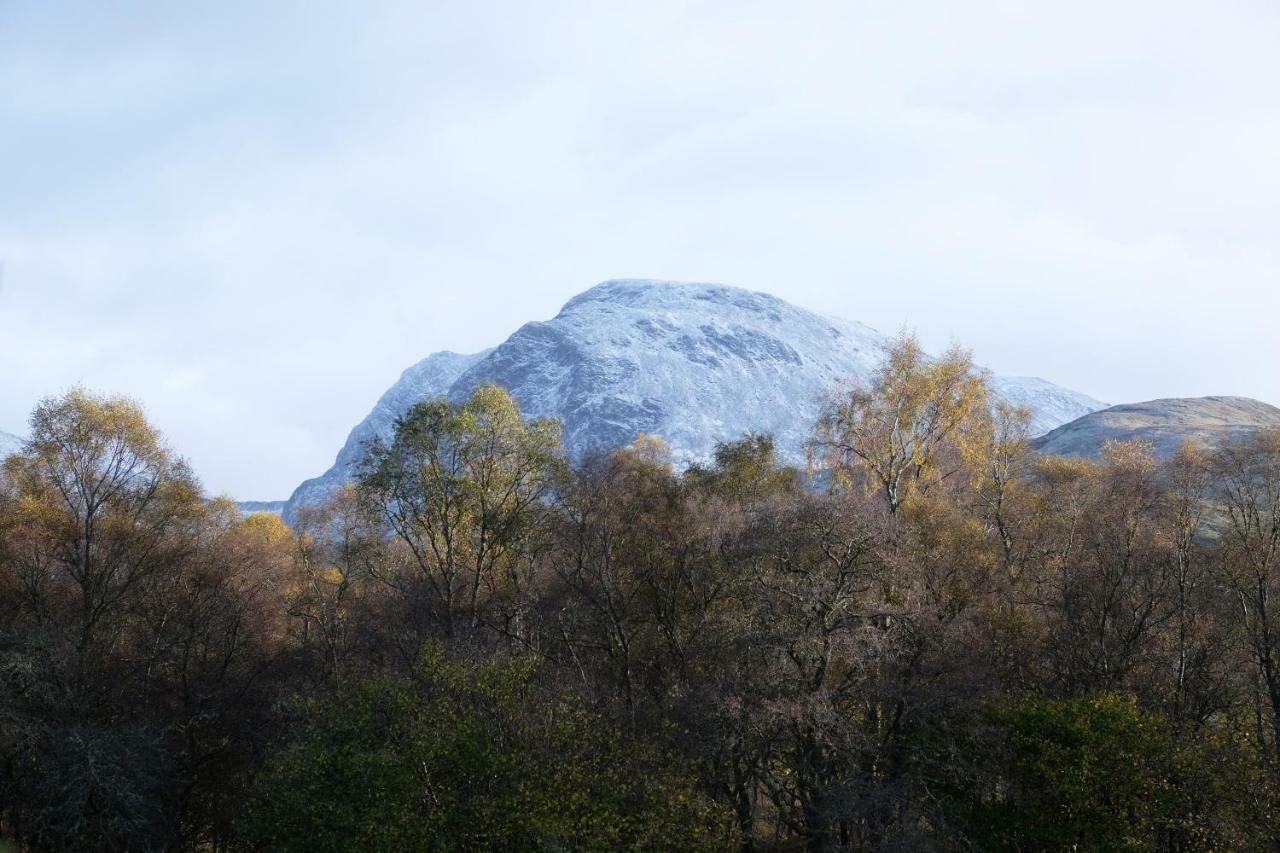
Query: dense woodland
[{"x": 929, "y": 638}]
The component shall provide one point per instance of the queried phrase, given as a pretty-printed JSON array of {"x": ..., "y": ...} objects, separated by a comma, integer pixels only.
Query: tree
[
  {"x": 909, "y": 428},
  {"x": 102, "y": 509},
  {"x": 621, "y": 557},
  {"x": 1109, "y": 589},
  {"x": 469, "y": 758},
  {"x": 136, "y": 631},
  {"x": 960, "y": 644},
  {"x": 1248, "y": 475},
  {"x": 1095, "y": 772},
  {"x": 999, "y": 488},
  {"x": 745, "y": 472},
  {"x": 332, "y": 592},
  {"x": 463, "y": 486},
  {"x": 814, "y": 713},
  {"x": 1201, "y": 637}
]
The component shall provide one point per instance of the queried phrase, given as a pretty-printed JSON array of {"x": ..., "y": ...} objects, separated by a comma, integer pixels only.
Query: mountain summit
[{"x": 692, "y": 363}]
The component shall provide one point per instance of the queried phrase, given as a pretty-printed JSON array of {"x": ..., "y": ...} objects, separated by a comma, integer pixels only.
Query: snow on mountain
[
  {"x": 255, "y": 507},
  {"x": 1051, "y": 405},
  {"x": 1167, "y": 424},
  {"x": 9, "y": 444},
  {"x": 692, "y": 363},
  {"x": 429, "y": 378}
]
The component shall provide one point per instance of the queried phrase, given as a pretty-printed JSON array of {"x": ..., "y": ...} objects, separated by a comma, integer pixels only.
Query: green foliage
[
  {"x": 463, "y": 487},
  {"x": 463, "y": 758},
  {"x": 745, "y": 470},
  {"x": 1089, "y": 774},
  {"x": 1099, "y": 773}
]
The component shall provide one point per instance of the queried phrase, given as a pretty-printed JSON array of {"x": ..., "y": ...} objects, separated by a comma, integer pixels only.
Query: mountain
[
  {"x": 430, "y": 378},
  {"x": 1167, "y": 424},
  {"x": 693, "y": 363},
  {"x": 9, "y": 444},
  {"x": 254, "y": 507},
  {"x": 1051, "y": 405}
]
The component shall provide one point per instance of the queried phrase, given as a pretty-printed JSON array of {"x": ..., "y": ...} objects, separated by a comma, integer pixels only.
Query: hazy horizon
[{"x": 253, "y": 222}]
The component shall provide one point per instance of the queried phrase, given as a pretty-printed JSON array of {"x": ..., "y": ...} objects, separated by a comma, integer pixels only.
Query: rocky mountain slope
[
  {"x": 693, "y": 363},
  {"x": 1167, "y": 424}
]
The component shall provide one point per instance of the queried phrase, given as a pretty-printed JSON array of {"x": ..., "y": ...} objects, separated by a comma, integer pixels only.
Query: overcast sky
[{"x": 253, "y": 220}]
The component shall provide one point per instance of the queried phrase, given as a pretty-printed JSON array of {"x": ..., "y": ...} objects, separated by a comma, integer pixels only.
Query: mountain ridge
[
  {"x": 694, "y": 363},
  {"x": 1166, "y": 423}
]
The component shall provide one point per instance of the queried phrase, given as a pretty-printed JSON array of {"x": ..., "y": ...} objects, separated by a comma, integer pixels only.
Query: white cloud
[{"x": 254, "y": 221}]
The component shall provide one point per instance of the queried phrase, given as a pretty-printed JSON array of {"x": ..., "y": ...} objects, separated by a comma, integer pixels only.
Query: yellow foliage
[{"x": 913, "y": 426}]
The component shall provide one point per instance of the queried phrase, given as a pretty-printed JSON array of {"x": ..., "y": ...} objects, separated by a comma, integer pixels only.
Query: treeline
[{"x": 928, "y": 639}]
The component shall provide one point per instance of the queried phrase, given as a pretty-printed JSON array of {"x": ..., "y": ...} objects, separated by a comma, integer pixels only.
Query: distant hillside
[
  {"x": 251, "y": 507},
  {"x": 693, "y": 363},
  {"x": 1167, "y": 424}
]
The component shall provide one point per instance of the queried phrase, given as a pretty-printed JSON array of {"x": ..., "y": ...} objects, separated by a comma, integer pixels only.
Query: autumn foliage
[{"x": 928, "y": 638}]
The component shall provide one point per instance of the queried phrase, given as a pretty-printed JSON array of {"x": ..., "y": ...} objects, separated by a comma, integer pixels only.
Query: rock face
[
  {"x": 692, "y": 363},
  {"x": 1167, "y": 424}
]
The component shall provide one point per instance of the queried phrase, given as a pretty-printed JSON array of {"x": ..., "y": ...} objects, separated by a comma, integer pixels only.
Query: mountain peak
[
  {"x": 694, "y": 363},
  {"x": 637, "y": 293}
]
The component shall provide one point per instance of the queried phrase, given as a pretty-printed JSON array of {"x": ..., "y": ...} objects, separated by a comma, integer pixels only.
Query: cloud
[{"x": 254, "y": 219}]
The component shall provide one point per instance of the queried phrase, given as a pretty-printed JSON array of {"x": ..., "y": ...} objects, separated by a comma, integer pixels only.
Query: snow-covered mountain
[
  {"x": 1051, "y": 405},
  {"x": 9, "y": 444},
  {"x": 426, "y": 380},
  {"x": 692, "y": 363},
  {"x": 1167, "y": 424},
  {"x": 255, "y": 507}
]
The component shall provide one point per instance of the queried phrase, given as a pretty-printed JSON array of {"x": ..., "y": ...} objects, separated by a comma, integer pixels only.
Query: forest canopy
[{"x": 929, "y": 638}]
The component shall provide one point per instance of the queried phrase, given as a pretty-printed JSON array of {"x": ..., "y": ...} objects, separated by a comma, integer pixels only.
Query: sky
[{"x": 251, "y": 217}]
